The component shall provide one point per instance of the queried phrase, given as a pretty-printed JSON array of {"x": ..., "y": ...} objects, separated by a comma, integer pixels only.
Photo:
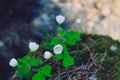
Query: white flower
[
  {"x": 33, "y": 46},
  {"x": 47, "y": 55},
  {"x": 78, "y": 21},
  {"x": 13, "y": 62},
  {"x": 113, "y": 48},
  {"x": 60, "y": 19},
  {"x": 58, "y": 49}
]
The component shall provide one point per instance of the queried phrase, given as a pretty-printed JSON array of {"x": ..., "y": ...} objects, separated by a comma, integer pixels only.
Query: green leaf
[
  {"x": 33, "y": 61},
  {"x": 21, "y": 75},
  {"x": 38, "y": 76},
  {"x": 68, "y": 61},
  {"x": 70, "y": 41},
  {"x": 71, "y": 37},
  {"x": 24, "y": 60},
  {"x": 48, "y": 46},
  {"x": 65, "y": 50},
  {"x": 77, "y": 36},
  {"x": 40, "y": 61},
  {"x": 46, "y": 70},
  {"x": 59, "y": 56},
  {"x": 61, "y": 32},
  {"x": 54, "y": 41},
  {"x": 25, "y": 69},
  {"x": 27, "y": 60}
]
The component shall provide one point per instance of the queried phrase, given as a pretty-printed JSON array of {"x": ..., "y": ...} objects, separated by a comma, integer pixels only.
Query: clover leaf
[
  {"x": 46, "y": 70},
  {"x": 38, "y": 76},
  {"x": 23, "y": 70},
  {"x": 59, "y": 56},
  {"x": 68, "y": 61}
]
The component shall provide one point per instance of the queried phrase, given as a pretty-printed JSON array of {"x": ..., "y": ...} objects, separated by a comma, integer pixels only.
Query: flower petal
[
  {"x": 47, "y": 55},
  {"x": 60, "y": 19},
  {"x": 58, "y": 49},
  {"x": 13, "y": 62},
  {"x": 33, "y": 46}
]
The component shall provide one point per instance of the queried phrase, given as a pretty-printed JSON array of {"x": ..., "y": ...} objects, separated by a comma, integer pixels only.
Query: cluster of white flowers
[
  {"x": 33, "y": 46},
  {"x": 57, "y": 50},
  {"x": 47, "y": 54}
]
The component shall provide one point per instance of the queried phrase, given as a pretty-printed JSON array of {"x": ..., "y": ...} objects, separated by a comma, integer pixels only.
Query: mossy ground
[
  {"x": 106, "y": 60},
  {"x": 93, "y": 56}
]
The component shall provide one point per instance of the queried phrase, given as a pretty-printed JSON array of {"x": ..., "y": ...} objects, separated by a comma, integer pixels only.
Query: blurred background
[
  {"x": 28, "y": 20},
  {"x": 94, "y": 16}
]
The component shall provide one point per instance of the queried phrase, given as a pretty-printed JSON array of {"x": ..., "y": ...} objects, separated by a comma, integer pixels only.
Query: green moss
[
  {"x": 98, "y": 45},
  {"x": 90, "y": 49}
]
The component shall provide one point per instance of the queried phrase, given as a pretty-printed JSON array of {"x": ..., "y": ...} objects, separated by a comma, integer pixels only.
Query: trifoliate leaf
[
  {"x": 48, "y": 46},
  {"x": 40, "y": 61},
  {"x": 23, "y": 71},
  {"x": 24, "y": 60},
  {"x": 24, "y": 68},
  {"x": 59, "y": 56},
  {"x": 33, "y": 61},
  {"x": 21, "y": 75},
  {"x": 68, "y": 61},
  {"x": 65, "y": 50},
  {"x": 70, "y": 41},
  {"x": 38, "y": 76},
  {"x": 28, "y": 61},
  {"x": 46, "y": 70},
  {"x": 77, "y": 36},
  {"x": 61, "y": 32},
  {"x": 71, "y": 37},
  {"x": 54, "y": 41}
]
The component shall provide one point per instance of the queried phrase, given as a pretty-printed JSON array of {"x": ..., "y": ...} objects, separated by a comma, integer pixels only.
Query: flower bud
[
  {"x": 33, "y": 46},
  {"x": 47, "y": 55},
  {"x": 13, "y": 62},
  {"x": 78, "y": 21},
  {"x": 113, "y": 48},
  {"x": 58, "y": 49},
  {"x": 60, "y": 19}
]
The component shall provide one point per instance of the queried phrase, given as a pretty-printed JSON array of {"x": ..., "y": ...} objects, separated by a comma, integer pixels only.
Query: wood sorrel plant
[{"x": 38, "y": 64}]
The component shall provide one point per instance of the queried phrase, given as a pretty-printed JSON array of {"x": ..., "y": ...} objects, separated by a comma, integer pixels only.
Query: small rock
[{"x": 93, "y": 77}]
